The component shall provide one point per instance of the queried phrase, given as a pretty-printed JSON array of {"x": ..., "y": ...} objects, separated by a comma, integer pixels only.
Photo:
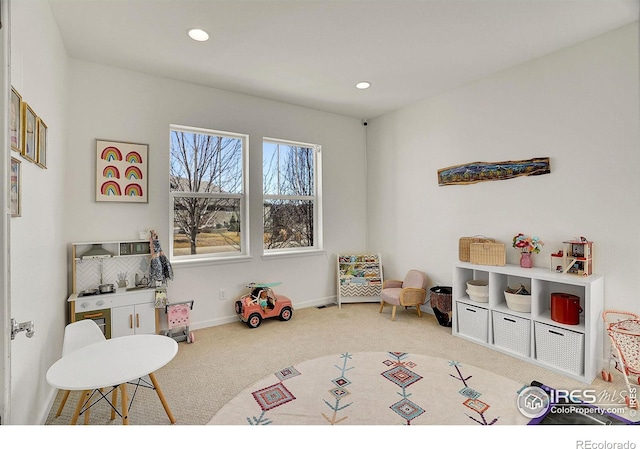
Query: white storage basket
[
  {"x": 512, "y": 333},
  {"x": 560, "y": 347},
  {"x": 473, "y": 321}
]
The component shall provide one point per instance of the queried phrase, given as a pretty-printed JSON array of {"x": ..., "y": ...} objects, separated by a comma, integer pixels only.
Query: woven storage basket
[
  {"x": 559, "y": 347},
  {"x": 464, "y": 246},
  {"x": 512, "y": 333},
  {"x": 473, "y": 321},
  {"x": 488, "y": 254}
]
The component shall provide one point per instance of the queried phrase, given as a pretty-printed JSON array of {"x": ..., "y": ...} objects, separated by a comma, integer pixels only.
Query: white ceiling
[{"x": 311, "y": 53}]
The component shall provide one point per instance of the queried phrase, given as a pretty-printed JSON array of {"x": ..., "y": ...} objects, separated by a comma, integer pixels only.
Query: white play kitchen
[{"x": 110, "y": 285}]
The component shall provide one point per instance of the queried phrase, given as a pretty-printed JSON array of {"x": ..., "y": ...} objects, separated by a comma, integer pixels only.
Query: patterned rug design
[
  {"x": 471, "y": 397},
  {"x": 403, "y": 377},
  {"x": 339, "y": 392},
  {"x": 376, "y": 388}
]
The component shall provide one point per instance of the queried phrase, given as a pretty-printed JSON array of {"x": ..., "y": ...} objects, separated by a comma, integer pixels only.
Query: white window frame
[
  {"x": 244, "y": 252},
  {"x": 316, "y": 199}
]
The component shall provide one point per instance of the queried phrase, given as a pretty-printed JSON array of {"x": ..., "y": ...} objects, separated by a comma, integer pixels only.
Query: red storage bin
[{"x": 565, "y": 308}]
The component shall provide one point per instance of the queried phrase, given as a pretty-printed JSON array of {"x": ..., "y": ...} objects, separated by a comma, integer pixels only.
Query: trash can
[{"x": 440, "y": 298}]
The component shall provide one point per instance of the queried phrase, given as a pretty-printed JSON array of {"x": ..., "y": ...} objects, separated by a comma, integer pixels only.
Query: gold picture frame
[
  {"x": 15, "y": 121},
  {"x": 15, "y": 190},
  {"x": 41, "y": 142},
  {"x": 29, "y": 119}
]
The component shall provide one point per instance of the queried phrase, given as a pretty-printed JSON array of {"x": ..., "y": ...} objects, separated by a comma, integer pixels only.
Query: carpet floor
[{"x": 226, "y": 360}]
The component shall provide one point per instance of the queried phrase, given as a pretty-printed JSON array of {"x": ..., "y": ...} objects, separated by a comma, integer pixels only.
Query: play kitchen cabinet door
[
  {"x": 131, "y": 320},
  {"x": 569, "y": 347}
]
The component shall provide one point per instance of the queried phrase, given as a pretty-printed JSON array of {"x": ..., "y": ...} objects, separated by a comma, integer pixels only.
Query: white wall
[
  {"x": 579, "y": 106},
  {"x": 38, "y": 250},
  {"x": 119, "y": 105}
]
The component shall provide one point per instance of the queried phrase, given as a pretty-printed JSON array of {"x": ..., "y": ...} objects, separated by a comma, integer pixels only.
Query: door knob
[{"x": 21, "y": 327}]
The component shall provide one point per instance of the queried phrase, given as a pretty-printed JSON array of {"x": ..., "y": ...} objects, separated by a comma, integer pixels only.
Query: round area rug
[{"x": 377, "y": 388}]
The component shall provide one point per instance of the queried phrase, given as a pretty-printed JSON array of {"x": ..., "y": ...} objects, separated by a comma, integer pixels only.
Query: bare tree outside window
[
  {"x": 207, "y": 184},
  {"x": 290, "y": 196}
]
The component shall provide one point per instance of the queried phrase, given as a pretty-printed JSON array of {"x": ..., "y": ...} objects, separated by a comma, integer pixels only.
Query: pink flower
[{"x": 527, "y": 244}]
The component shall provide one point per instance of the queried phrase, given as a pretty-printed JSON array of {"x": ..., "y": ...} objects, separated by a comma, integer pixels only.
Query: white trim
[
  {"x": 292, "y": 252},
  {"x": 5, "y": 222},
  {"x": 210, "y": 132},
  {"x": 292, "y": 143},
  {"x": 194, "y": 262}
]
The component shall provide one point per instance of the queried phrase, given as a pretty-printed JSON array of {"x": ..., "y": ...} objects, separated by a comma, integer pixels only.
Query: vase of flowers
[{"x": 527, "y": 245}]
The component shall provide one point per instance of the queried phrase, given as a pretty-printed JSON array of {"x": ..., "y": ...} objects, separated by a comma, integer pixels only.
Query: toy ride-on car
[{"x": 261, "y": 303}]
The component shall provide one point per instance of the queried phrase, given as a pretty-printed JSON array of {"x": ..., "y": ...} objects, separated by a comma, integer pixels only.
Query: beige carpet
[{"x": 225, "y": 360}]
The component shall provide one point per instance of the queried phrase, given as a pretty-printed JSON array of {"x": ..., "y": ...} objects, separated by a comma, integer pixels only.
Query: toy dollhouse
[{"x": 575, "y": 258}]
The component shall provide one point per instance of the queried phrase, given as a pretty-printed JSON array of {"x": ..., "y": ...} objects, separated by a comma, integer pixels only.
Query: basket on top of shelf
[
  {"x": 464, "y": 246},
  {"x": 488, "y": 253}
]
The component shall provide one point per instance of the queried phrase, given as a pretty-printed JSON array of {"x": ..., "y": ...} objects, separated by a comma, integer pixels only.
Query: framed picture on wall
[
  {"x": 41, "y": 143},
  {"x": 121, "y": 171},
  {"x": 15, "y": 188},
  {"x": 29, "y": 149},
  {"x": 15, "y": 121}
]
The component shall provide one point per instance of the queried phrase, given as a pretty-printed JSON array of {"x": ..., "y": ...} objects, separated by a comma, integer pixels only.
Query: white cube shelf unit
[{"x": 571, "y": 350}]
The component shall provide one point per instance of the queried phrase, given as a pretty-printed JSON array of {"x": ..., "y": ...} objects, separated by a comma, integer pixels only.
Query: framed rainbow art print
[{"x": 121, "y": 171}]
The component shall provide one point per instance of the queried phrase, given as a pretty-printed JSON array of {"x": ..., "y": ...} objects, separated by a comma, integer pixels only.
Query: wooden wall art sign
[
  {"x": 492, "y": 171},
  {"x": 121, "y": 171}
]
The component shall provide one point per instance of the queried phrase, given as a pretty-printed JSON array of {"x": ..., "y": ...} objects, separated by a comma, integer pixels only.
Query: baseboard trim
[{"x": 233, "y": 318}]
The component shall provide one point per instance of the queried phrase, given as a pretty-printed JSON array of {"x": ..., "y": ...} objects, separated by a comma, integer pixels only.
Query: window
[
  {"x": 291, "y": 196},
  {"x": 207, "y": 184}
]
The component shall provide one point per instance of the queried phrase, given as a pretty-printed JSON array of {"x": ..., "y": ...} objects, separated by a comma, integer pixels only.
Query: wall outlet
[{"x": 223, "y": 294}]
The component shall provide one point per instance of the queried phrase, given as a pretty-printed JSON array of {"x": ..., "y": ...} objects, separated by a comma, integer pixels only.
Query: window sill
[
  {"x": 245, "y": 258},
  {"x": 288, "y": 254},
  {"x": 211, "y": 261}
]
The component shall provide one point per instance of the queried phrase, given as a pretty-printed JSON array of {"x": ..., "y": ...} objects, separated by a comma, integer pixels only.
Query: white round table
[{"x": 113, "y": 363}]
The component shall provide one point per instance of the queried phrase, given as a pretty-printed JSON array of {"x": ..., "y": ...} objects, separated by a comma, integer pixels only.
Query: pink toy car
[{"x": 261, "y": 303}]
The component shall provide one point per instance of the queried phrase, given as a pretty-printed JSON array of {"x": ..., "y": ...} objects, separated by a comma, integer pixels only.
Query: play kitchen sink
[{"x": 109, "y": 284}]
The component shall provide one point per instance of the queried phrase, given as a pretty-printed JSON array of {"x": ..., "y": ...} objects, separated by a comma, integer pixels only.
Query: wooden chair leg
[
  {"x": 152, "y": 376},
  {"x": 393, "y": 313},
  {"x": 87, "y": 414},
  {"x": 419, "y": 311},
  {"x": 124, "y": 399},
  {"x": 114, "y": 402},
  {"x": 381, "y": 306},
  {"x": 84, "y": 397},
  {"x": 63, "y": 402}
]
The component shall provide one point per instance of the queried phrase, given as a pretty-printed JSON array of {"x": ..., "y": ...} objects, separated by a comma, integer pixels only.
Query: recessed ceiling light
[
  {"x": 363, "y": 85},
  {"x": 198, "y": 35}
]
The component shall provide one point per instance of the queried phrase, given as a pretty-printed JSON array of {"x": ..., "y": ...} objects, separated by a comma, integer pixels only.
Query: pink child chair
[{"x": 411, "y": 292}]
